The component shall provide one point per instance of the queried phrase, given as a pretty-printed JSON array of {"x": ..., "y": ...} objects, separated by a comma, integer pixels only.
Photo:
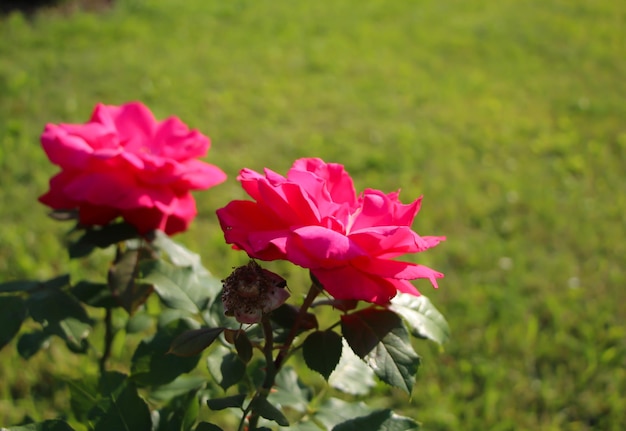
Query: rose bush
[
  {"x": 314, "y": 219},
  {"x": 123, "y": 162}
]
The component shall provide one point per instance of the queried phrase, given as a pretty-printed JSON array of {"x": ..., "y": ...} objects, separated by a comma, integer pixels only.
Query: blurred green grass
[{"x": 507, "y": 116}]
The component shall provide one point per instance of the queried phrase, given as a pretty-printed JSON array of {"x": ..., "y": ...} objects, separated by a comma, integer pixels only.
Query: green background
[{"x": 508, "y": 116}]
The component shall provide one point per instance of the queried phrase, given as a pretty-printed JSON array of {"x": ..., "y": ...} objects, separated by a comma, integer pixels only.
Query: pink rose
[
  {"x": 123, "y": 162},
  {"x": 314, "y": 219}
]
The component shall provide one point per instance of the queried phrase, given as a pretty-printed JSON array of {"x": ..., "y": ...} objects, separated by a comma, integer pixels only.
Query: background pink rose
[
  {"x": 125, "y": 163},
  {"x": 313, "y": 218}
]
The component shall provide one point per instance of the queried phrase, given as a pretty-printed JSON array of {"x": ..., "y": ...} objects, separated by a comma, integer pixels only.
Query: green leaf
[
  {"x": 177, "y": 287},
  {"x": 94, "y": 294},
  {"x": 50, "y": 425},
  {"x": 352, "y": 375},
  {"x": 289, "y": 391},
  {"x": 60, "y": 314},
  {"x": 322, "y": 351},
  {"x": 55, "y": 305},
  {"x": 243, "y": 346},
  {"x": 31, "y": 343},
  {"x": 122, "y": 280},
  {"x": 380, "y": 338},
  {"x": 180, "y": 386},
  {"x": 83, "y": 397},
  {"x": 226, "y": 402},
  {"x": 285, "y": 316},
  {"x": 421, "y": 316},
  {"x": 139, "y": 322},
  {"x": 36, "y": 287},
  {"x": 266, "y": 410},
  {"x": 191, "y": 343},
  {"x": 182, "y": 257},
  {"x": 119, "y": 406},
  {"x": 226, "y": 367},
  {"x": 214, "y": 315},
  {"x": 19, "y": 286},
  {"x": 151, "y": 364},
  {"x": 178, "y": 254},
  {"x": 100, "y": 237},
  {"x": 12, "y": 313},
  {"x": 179, "y": 414},
  {"x": 380, "y": 420},
  {"x": 334, "y": 411}
]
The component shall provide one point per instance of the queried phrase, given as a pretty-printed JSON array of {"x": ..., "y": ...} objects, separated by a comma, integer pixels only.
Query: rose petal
[{"x": 349, "y": 283}]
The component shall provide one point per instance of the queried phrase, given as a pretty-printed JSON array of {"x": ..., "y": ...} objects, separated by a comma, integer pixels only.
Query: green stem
[
  {"x": 274, "y": 366},
  {"x": 284, "y": 351},
  {"x": 270, "y": 373}
]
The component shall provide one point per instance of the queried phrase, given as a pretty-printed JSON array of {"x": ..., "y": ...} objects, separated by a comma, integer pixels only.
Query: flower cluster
[
  {"x": 314, "y": 219},
  {"x": 124, "y": 164}
]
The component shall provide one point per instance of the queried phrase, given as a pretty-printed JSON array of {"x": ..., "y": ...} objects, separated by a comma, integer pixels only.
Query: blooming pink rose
[
  {"x": 313, "y": 218},
  {"x": 123, "y": 162}
]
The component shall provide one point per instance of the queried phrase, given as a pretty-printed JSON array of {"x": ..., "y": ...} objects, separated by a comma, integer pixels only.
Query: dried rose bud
[{"x": 251, "y": 291}]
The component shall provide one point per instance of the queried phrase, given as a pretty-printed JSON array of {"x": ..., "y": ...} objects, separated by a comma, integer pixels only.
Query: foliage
[{"x": 185, "y": 288}]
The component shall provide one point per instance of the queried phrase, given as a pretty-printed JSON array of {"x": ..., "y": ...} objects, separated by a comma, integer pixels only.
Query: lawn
[{"x": 509, "y": 117}]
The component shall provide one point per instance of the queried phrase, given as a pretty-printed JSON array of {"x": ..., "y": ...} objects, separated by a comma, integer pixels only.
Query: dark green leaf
[
  {"x": 60, "y": 314},
  {"x": 243, "y": 346},
  {"x": 322, "y": 351},
  {"x": 39, "y": 289},
  {"x": 226, "y": 367},
  {"x": 380, "y": 420},
  {"x": 122, "y": 280},
  {"x": 84, "y": 396},
  {"x": 12, "y": 314},
  {"x": 100, "y": 237},
  {"x": 352, "y": 375},
  {"x": 31, "y": 343},
  {"x": 54, "y": 306},
  {"x": 289, "y": 391},
  {"x": 94, "y": 294},
  {"x": 266, "y": 410},
  {"x": 285, "y": 317},
  {"x": 226, "y": 402},
  {"x": 380, "y": 338},
  {"x": 50, "y": 425},
  {"x": 152, "y": 365},
  {"x": 179, "y": 414},
  {"x": 205, "y": 426},
  {"x": 191, "y": 343},
  {"x": 19, "y": 286},
  {"x": 421, "y": 316},
  {"x": 57, "y": 282},
  {"x": 180, "y": 386},
  {"x": 119, "y": 406},
  {"x": 177, "y": 287}
]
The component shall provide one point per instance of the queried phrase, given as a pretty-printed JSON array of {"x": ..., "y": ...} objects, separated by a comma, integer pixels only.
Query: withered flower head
[{"x": 251, "y": 291}]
